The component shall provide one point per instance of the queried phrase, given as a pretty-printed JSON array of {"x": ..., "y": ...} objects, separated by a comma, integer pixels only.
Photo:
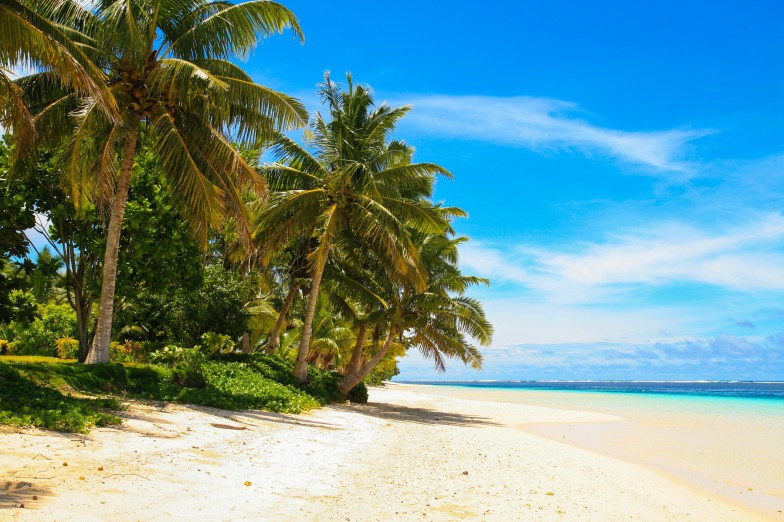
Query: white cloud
[
  {"x": 522, "y": 318},
  {"x": 745, "y": 257},
  {"x": 721, "y": 357},
  {"x": 543, "y": 123}
]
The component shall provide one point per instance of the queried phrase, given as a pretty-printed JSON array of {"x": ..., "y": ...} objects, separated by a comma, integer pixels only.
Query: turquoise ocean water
[
  {"x": 730, "y": 398},
  {"x": 737, "y": 389}
]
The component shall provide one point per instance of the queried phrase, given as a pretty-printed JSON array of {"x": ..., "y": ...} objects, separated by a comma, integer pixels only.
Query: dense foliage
[
  {"x": 33, "y": 391},
  {"x": 25, "y": 401},
  {"x": 134, "y": 230}
]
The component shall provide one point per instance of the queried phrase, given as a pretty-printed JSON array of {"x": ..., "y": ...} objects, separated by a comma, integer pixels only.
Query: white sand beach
[{"x": 408, "y": 455}]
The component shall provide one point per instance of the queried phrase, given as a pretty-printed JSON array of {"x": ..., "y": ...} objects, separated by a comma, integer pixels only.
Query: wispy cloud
[
  {"x": 520, "y": 317},
  {"x": 745, "y": 257},
  {"x": 548, "y": 124},
  {"x": 745, "y": 323},
  {"x": 721, "y": 357}
]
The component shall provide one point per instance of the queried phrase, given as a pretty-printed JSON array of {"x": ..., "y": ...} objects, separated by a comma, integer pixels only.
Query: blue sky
[{"x": 622, "y": 164}]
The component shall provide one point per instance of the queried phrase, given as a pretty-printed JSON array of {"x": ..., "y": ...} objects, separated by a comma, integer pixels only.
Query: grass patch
[
  {"x": 34, "y": 391},
  {"x": 239, "y": 386},
  {"x": 24, "y": 401}
]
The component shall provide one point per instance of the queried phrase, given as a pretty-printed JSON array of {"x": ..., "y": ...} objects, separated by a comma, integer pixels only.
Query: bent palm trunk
[
  {"x": 83, "y": 328},
  {"x": 99, "y": 353},
  {"x": 351, "y": 380},
  {"x": 301, "y": 366},
  {"x": 356, "y": 356},
  {"x": 284, "y": 311}
]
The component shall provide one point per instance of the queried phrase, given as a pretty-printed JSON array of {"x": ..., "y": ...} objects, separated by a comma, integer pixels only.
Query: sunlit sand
[{"x": 408, "y": 455}]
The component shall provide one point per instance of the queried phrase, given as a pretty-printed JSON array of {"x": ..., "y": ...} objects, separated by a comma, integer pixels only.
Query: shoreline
[
  {"x": 407, "y": 455},
  {"x": 693, "y": 443}
]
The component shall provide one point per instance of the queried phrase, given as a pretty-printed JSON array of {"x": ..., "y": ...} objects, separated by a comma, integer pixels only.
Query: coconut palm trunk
[
  {"x": 99, "y": 353},
  {"x": 301, "y": 366},
  {"x": 83, "y": 309},
  {"x": 356, "y": 356},
  {"x": 350, "y": 380},
  {"x": 274, "y": 340}
]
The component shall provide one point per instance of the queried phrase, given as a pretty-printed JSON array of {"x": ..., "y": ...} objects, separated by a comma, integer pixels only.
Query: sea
[{"x": 736, "y": 389}]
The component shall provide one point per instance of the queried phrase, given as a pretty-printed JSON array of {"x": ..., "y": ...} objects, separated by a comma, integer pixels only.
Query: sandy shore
[{"x": 406, "y": 456}]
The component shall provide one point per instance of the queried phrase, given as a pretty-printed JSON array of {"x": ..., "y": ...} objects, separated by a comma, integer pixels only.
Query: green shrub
[
  {"x": 167, "y": 355},
  {"x": 237, "y": 386},
  {"x": 189, "y": 368},
  {"x": 232, "y": 381},
  {"x": 128, "y": 351},
  {"x": 217, "y": 305},
  {"x": 22, "y": 306},
  {"x": 188, "y": 377},
  {"x": 25, "y": 402},
  {"x": 39, "y": 337},
  {"x": 322, "y": 384},
  {"x": 213, "y": 342},
  {"x": 4, "y": 350},
  {"x": 383, "y": 372},
  {"x": 187, "y": 364},
  {"x": 358, "y": 394},
  {"x": 67, "y": 348}
]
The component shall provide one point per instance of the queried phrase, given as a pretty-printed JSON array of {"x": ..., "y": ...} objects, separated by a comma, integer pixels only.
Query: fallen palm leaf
[{"x": 227, "y": 426}]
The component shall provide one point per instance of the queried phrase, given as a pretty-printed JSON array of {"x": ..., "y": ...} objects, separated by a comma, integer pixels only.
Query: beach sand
[
  {"x": 408, "y": 455},
  {"x": 731, "y": 447}
]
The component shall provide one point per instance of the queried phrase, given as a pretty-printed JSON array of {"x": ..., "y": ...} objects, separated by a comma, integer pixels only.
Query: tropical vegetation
[{"x": 157, "y": 212}]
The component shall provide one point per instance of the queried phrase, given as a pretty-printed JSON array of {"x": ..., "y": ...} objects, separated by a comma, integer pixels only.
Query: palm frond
[
  {"x": 205, "y": 202},
  {"x": 222, "y": 30}
]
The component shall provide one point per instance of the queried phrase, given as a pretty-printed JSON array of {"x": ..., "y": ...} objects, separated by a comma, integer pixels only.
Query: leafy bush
[
  {"x": 358, "y": 394},
  {"x": 4, "y": 350},
  {"x": 236, "y": 385},
  {"x": 383, "y": 372},
  {"x": 168, "y": 355},
  {"x": 25, "y": 402},
  {"x": 22, "y": 306},
  {"x": 128, "y": 351},
  {"x": 322, "y": 384},
  {"x": 67, "y": 348},
  {"x": 233, "y": 381},
  {"x": 218, "y": 306},
  {"x": 213, "y": 342},
  {"x": 40, "y": 336},
  {"x": 189, "y": 368}
]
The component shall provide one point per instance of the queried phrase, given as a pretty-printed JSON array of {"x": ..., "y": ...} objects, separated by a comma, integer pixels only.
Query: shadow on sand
[
  {"x": 398, "y": 413},
  {"x": 20, "y": 494},
  {"x": 256, "y": 417}
]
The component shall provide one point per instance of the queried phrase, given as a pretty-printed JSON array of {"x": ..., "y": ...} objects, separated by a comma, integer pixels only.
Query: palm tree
[
  {"x": 45, "y": 275},
  {"x": 169, "y": 67},
  {"x": 290, "y": 268},
  {"x": 31, "y": 40},
  {"x": 437, "y": 320},
  {"x": 331, "y": 337},
  {"x": 347, "y": 192}
]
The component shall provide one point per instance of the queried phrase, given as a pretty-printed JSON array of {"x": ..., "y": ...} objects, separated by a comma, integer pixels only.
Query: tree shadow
[
  {"x": 20, "y": 494},
  {"x": 297, "y": 420},
  {"x": 429, "y": 416},
  {"x": 254, "y": 417}
]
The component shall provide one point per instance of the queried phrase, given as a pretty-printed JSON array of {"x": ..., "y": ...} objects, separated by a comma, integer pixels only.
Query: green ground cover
[{"x": 40, "y": 391}]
